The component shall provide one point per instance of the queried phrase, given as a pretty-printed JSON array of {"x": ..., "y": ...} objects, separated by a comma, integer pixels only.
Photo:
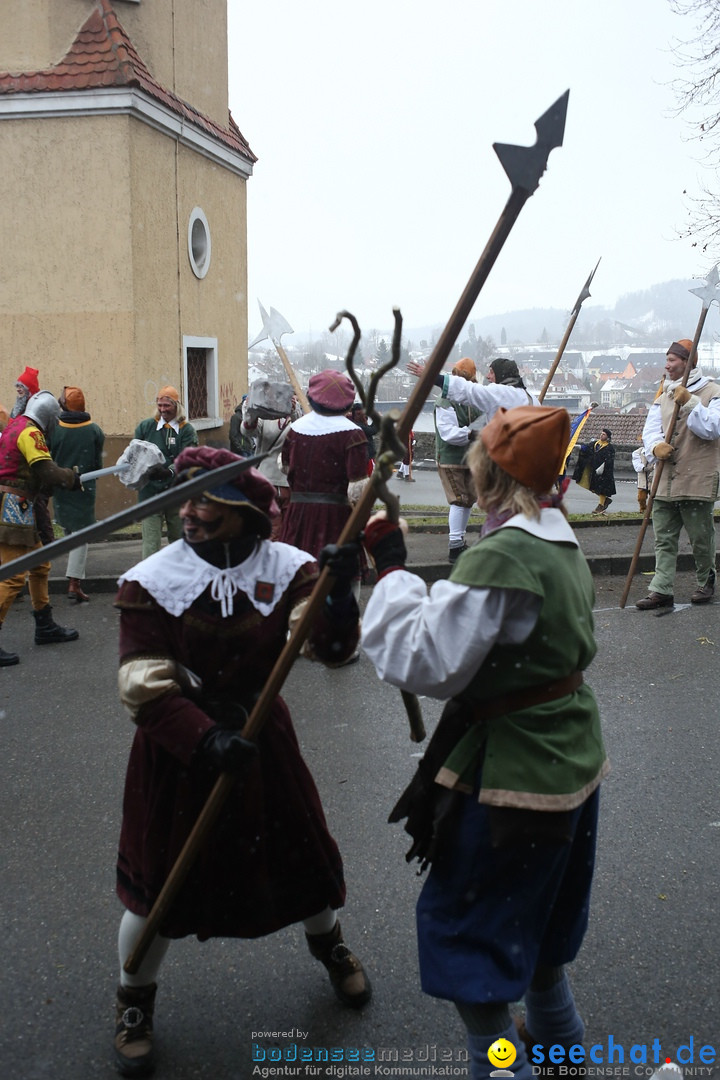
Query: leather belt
[
  {"x": 319, "y": 497},
  {"x": 525, "y": 699},
  {"x": 16, "y": 491}
]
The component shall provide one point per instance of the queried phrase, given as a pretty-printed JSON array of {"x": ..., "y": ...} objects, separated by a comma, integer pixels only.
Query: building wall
[
  {"x": 183, "y": 42},
  {"x": 98, "y": 289},
  {"x": 67, "y": 297}
]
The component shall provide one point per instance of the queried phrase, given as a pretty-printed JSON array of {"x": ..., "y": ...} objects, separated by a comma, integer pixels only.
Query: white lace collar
[
  {"x": 175, "y": 576},
  {"x": 313, "y": 423}
]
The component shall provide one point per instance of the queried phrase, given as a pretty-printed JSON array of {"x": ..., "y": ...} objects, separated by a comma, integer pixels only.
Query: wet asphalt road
[{"x": 648, "y": 968}]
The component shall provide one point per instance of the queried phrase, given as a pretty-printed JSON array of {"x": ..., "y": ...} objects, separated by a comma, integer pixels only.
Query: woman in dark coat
[{"x": 595, "y": 469}]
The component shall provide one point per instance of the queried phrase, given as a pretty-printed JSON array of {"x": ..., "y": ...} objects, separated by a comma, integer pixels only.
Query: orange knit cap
[
  {"x": 530, "y": 443},
  {"x": 167, "y": 392},
  {"x": 465, "y": 368},
  {"x": 682, "y": 349},
  {"x": 74, "y": 399}
]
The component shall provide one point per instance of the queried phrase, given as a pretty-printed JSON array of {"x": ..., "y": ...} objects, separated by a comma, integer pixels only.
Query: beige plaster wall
[
  {"x": 66, "y": 306},
  {"x": 184, "y": 45},
  {"x": 37, "y": 33},
  {"x": 216, "y": 305},
  {"x": 183, "y": 42}
]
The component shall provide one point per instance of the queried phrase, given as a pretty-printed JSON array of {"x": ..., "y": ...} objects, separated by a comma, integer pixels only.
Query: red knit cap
[
  {"x": 29, "y": 379},
  {"x": 530, "y": 443}
]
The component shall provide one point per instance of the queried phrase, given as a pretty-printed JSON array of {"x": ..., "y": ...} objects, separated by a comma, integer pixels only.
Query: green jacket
[
  {"x": 550, "y": 756},
  {"x": 170, "y": 442}
]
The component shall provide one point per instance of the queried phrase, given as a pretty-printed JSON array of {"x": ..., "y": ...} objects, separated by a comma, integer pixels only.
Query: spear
[
  {"x": 707, "y": 293},
  {"x": 584, "y": 294},
  {"x": 524, "y": 167}
]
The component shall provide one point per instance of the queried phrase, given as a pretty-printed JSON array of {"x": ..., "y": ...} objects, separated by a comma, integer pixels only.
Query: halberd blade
[
  {"x": 525, "y": 165},
  {"x": 709, "y": 290}
]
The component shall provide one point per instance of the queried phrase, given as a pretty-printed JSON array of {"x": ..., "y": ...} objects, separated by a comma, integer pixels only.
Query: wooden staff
[
  {"x": 584, "y": 294},
  {"x": 524, "y": 167},
  {"x": 707, "y": 294}
]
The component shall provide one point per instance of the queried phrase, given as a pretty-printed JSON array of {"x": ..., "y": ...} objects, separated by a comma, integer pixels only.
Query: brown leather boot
[
  {"x": 347, "y": 975},
  {"x": 75, "y": 591},
  {"x": 134, "y": 1009}
]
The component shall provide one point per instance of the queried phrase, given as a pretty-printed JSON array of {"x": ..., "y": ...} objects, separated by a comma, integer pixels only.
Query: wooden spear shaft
[
  {"x": 290, "y": 371},
  {"x": 530, "y": 164},
  {"x": 584, "y": 294},
  {"x": 661, "y": 464}
]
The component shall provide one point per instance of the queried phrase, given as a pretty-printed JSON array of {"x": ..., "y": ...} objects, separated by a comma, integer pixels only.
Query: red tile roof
[{"x": 102, "y": 55}]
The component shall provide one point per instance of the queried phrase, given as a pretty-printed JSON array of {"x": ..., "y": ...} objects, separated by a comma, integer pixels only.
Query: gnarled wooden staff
[
  {"x": 524, "y": 167},
  {"x": 707, "y": 293}
]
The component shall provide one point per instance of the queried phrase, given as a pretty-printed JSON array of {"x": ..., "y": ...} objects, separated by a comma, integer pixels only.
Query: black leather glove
[
  {"x": 227, "y": 750},
  {"x": 159, "y": 472},
  {"x": 77, "y": 482},
  {"x": 344, "y": 565},
  {"x": 385, "y": 544}
]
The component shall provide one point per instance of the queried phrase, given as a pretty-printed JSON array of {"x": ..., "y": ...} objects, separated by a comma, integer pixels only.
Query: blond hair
[{"x": 497, "y": 490}]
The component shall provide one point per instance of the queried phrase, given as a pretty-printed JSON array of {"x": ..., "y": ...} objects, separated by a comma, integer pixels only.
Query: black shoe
[
  {"x": 455, "y": 552},
  {"x": 47, "y": 632},
  {"x": 655, "y": 600},
  {"x": 7, "y": 659}
]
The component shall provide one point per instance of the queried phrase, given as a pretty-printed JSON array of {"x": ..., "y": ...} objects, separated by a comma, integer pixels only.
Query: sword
[
  {"x": 524, "y": 167},
  {"x": 172, "y": 497}
]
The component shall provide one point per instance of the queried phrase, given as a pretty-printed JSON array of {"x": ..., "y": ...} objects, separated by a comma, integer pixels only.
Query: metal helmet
[{"x": 44, "y": 410}]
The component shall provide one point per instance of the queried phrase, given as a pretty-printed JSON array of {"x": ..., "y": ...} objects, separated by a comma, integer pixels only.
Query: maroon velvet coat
[
  {"x": 270, "y": 861},
  {"x": 321, "y": 464}
]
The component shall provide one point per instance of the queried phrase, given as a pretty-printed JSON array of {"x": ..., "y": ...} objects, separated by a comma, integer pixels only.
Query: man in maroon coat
[
  {"x": 325, "y": 456},
  {"x": 202, "y": 623}
]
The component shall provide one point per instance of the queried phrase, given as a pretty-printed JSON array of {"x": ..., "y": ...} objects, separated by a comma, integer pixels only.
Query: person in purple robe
[{"x": 202, "y": 623}]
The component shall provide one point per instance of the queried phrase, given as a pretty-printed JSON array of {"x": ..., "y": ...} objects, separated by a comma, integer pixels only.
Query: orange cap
[
  {"x": 465, "y": 368},
  {"x": 530, "y": 443}
]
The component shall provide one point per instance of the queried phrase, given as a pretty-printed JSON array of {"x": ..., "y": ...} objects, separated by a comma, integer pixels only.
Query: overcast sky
[{"x": 377, "y": 185}]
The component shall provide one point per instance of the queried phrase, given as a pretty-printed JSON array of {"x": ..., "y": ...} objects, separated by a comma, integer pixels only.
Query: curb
[{"x": 600, "y": 566}]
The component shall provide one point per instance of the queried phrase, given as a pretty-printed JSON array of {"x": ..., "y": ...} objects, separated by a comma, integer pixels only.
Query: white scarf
[{"x": 175, "y": 576}]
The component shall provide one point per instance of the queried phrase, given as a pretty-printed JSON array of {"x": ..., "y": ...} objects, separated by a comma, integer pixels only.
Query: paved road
[
  {"x": 426, "y": 490},
  {"x": 648, "y": 969}
]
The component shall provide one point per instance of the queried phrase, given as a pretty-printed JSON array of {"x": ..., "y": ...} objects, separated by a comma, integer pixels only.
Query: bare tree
[{"x": 698, "y": 96}]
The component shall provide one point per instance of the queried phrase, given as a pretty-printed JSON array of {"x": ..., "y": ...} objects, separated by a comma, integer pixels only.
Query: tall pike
[
  {"x": 524, "y": 167},
  {"x": 584, "y": 295}
]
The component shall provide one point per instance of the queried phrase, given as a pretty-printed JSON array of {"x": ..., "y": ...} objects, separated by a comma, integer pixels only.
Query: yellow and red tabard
[{"x": 21, "y": 446}]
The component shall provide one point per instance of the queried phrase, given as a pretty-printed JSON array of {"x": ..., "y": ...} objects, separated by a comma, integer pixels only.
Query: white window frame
[
  {"x": 210, "y": 345},
  {"x": 197, "y": 217}
]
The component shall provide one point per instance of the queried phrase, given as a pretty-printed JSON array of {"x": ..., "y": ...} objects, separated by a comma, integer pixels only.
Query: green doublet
[
  {"x": 550, "y": 756},
  {"x": 447, "y": 453}
]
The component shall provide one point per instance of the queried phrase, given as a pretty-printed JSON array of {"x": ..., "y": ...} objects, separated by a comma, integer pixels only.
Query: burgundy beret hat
[
  {"x": 331, "y": 390},
  {"x": 250, "y": 491}
]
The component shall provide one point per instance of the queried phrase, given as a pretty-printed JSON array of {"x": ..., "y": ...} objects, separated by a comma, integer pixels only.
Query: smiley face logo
[{"x": 502, "y": 1053}]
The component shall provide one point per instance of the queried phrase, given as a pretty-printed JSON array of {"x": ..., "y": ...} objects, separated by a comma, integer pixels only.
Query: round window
[{"x": 199, "y": 245}]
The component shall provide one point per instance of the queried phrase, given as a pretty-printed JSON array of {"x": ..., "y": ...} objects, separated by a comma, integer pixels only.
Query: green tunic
[{"x": 550, "y": 756}]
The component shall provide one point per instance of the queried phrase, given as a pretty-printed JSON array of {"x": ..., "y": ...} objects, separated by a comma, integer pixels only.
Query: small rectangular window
[{"x": 201, "y": 381}]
